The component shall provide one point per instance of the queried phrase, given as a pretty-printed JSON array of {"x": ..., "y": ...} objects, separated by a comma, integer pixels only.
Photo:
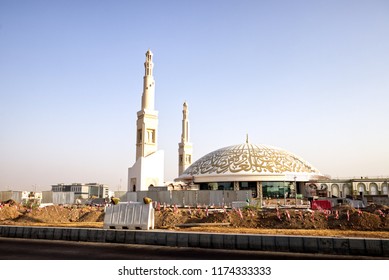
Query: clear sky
[{"x": 311, "y": 77}]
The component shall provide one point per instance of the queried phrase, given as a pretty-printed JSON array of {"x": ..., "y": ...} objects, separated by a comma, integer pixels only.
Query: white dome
[{"x": 250, "y": 162}]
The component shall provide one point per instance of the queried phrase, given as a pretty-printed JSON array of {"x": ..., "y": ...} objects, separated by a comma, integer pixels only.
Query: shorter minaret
[{"x": 185, "y": 149}]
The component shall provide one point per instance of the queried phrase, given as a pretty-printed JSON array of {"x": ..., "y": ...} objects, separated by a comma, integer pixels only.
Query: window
[
  {"x": 139, "y": 137},
  {"x": 249, "y": 186},
  {"x": 217, "y": 186},
  {"x": 151, "y": 136},
  {"x": 276, "y": 189}
]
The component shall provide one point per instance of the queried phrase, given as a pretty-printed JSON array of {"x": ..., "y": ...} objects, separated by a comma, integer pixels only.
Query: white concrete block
[{"x": 129, "y": 216}]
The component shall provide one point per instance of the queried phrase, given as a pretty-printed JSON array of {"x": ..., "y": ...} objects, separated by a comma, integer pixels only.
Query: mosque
[{"x": 264, "y": 170}]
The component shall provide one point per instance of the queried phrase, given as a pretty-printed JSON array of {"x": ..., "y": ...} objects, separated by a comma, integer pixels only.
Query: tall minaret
[
  {"x": 185, "y": 149},
  {"x": 149, "y": 168},
  {"x": 147, "y": 123}
]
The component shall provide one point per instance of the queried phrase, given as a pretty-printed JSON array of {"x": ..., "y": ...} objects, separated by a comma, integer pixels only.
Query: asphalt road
[{"x": 32, "y": 249}]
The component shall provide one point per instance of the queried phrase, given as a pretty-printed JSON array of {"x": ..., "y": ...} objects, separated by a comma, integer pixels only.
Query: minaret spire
[
  {"x": 185, "y": 147},
  {"x": 148, "y": 83},
  {"x": 185, "y": 124}
]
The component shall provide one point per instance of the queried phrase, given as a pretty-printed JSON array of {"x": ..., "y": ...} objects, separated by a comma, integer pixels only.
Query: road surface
[{"x": 33, "y": 249}]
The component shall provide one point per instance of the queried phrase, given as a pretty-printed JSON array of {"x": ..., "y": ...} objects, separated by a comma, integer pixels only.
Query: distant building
[
  {"x": 83, "y": 190},
  {"x": 347, "y": 187}
]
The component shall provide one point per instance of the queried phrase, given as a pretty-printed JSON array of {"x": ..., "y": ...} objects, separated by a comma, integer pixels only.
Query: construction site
[{"x": 342, "y": 220}]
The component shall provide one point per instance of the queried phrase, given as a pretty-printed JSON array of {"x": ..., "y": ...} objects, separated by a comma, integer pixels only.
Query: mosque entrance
[
  {"x": 277, "y": 189},
  {"x": 249, "y": 186}
]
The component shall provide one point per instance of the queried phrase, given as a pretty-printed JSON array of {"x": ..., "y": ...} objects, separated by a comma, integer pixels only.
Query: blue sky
[{"x": 311, "y": 77}]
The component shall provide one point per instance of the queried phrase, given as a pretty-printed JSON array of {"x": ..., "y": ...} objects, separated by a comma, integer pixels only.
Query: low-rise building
[
  {"x": 83, "y": 191},
  {"x": 347, "y": 187}
]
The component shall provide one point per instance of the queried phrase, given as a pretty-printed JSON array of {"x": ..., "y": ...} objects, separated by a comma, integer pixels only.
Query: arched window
[
  {"x": 361, "y": 188},
  {"x": 323, "y": 186},
  {"x": 346, "y": 190},
  {"x": 373, "y": 189},
  {"x": 335, "y": 190},
  {"x": 385, "y": 188}
]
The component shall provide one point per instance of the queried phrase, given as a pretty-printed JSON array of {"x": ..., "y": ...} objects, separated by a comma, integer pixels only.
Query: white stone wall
[{"x": 147, "y": 171}]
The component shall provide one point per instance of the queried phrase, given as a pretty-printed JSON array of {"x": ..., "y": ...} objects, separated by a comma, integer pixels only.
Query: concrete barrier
[
  {"x": 129, "y": 216},
  {"x": 373, "y": 247}
]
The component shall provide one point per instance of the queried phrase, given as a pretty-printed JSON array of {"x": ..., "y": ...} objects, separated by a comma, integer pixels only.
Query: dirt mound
[
  {"x": 50, "y": 214},
  {"x": 92, "y": 216},
  {"x": 169, "y": 218},
  {"x": 9, "y": 212},
  {"x": 376, "y": 208},
  {"x": 349, "y": 219}
]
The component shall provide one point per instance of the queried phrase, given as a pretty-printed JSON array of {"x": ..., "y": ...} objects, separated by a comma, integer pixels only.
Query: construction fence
[
  {"x": 8, "y": 195},
  {"x": 187, "y": 198},
  {"x": 178, "y": 198},
  {"x": 20, "y": 196}
]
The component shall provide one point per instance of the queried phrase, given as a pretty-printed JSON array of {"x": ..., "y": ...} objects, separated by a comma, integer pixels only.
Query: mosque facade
[{"x": 262, "y": 170}]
